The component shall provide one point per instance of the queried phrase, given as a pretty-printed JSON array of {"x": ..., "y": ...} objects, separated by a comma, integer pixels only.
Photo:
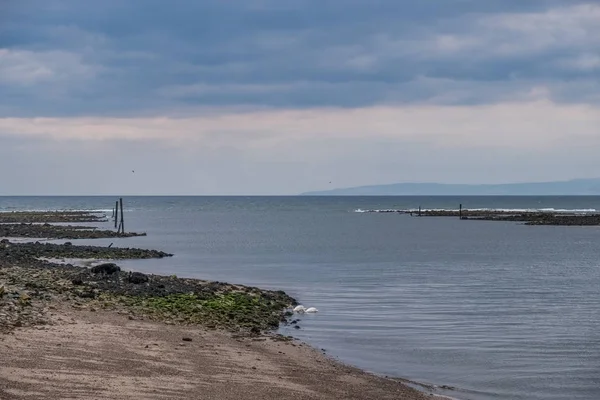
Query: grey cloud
[{"x": 128, "y": 57}]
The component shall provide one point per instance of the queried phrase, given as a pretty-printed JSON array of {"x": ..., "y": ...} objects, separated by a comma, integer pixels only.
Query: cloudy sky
[{"x": 281, "y": 97}]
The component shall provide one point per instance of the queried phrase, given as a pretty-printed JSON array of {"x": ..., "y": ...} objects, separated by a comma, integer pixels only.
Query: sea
[{"x": 494, "y": 310}]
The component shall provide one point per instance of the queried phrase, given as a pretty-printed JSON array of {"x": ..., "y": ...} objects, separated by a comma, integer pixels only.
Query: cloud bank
[{"x": 283, "y": 97}]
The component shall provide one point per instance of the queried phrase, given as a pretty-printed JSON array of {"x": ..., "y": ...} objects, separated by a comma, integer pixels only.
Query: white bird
[{"x": 299, "y": 309}]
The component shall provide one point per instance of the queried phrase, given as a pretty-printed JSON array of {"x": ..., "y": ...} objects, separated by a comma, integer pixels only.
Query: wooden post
[
  {"x": 460, "y": 211},
  {"x": 419, "y": 211},
  {"x": 116, "y": 213},
  {"x": 122, "y": 220}
]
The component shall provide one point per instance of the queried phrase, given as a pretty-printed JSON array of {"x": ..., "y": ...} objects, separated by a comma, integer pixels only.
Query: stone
[
  {"x": 137, "y": 278},
  {"x": 107, "y": 268},
  {"x": 187, "y": 339}
]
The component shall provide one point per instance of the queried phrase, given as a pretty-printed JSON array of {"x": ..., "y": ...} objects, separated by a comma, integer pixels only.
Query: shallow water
[{"x": 497, "y": 309}]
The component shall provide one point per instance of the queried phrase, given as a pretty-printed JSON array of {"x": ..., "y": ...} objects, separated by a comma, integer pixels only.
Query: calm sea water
[{"x": 498, "y": 310}]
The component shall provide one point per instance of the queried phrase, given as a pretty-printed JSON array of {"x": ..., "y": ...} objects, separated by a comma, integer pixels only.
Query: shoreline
[
  {"x": 62, "y": 319},
  {"x": 48, "y": 310},
  {"x": 59, "y": 340}
]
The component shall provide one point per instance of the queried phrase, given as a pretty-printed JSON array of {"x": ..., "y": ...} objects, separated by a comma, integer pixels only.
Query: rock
[
  {"x": 107, "y": 268},
  {"x": 137, "y": 278},
  {"x": 68, "y": 244},
  {"x": 4, "y": 241},
  {"x": 187, "y": 339},
  {"x": 77, "y": 281},
  {"x": 87, "y": 295}
]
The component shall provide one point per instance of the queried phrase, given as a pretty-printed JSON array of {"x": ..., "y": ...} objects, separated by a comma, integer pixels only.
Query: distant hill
[{"x": 573, "y": 187}]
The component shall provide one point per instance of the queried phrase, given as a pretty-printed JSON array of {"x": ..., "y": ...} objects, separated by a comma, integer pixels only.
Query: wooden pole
[
  {"x": 122, "y": 220},
  {"x": 419, "y": 211},
  {"x": 116, "y": 213},
  {"x": 460, "y": 211}
]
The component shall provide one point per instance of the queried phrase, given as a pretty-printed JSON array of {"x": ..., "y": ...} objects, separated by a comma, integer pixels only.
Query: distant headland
[{"x": 574, "y": 187}]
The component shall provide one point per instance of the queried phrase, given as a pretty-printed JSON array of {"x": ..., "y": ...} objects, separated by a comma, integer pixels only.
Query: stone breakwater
[
  {"x": 30, "y": 252},
  {"x": 529, "y": 218},
  {"x": 48, "y": 231},
  {"x": 50, "y": 216}
]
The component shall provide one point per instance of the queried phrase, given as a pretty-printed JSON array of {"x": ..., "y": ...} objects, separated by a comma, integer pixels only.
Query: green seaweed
[{"x": 232, "y": 310}]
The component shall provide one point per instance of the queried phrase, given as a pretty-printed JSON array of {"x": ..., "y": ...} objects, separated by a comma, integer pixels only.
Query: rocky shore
[
  {"x": 31, "y": 278},
  {"x": 27, "y": 290}
]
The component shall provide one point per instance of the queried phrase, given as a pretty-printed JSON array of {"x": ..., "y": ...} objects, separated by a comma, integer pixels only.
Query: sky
[{"x": 269, "y": 97}]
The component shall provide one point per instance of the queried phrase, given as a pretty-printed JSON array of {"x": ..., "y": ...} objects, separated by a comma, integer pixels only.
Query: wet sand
[{"x": 103, "y": 355}]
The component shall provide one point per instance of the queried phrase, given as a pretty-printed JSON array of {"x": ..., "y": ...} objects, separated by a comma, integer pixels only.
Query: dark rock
[
  {"x": 108, "y": 269},
  {"x": 4, "y": 241},
  {"x": 87, "y": 295},
  {"x": 296, "y": 327},
  {"x": 137, "y": 278},
  {"x": 77, "y": 281},
  {"x": 186, "y": 339},
  {"x": 68, "y": 244}
]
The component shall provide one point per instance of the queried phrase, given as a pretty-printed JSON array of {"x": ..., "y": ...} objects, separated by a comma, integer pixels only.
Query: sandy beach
[{"x": 103, "y": 355}]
